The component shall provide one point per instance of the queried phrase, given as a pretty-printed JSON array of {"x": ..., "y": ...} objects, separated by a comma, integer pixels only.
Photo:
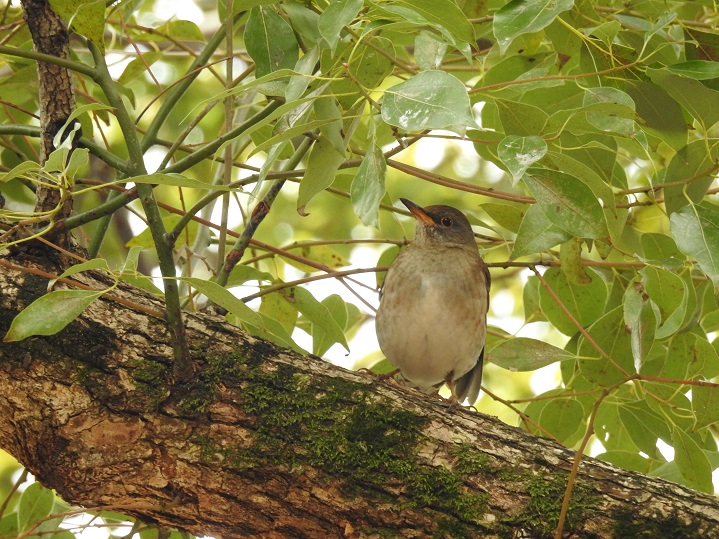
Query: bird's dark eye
[{"x": 446, "y": 222}]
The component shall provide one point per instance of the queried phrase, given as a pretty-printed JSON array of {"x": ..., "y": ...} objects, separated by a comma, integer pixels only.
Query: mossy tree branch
[{"x": 264, "y": 442}]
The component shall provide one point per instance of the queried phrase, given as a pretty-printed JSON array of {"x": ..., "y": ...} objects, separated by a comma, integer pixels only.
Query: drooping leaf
[
  {"x": 429, "y": 100},
  {"x": 691, "y": 172},
  {"x": 524, "y": 354},
  {"x": 337, "y": 15},
  {"x": 705, "y": 404},
  {"x": 50, "y": 313},
  {"x": 428, "y": 51},
  {"x": 35, "y": 503},
  {"x": 643, "y": 333},
  {"x": 322, "y": 164},
  {"x": 692, "y": 462},
  {"x": 695, "y": 228},
  {"x": 225, "y": 299},
  {"x": 316, "y": 312},
  {"x": 270, "y": 41},
  {"x": 368, "y": 186},
  {"x": 562, "y": 417}
]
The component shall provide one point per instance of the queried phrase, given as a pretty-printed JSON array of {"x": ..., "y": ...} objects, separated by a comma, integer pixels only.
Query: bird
[{"x": 431, "y": 323}]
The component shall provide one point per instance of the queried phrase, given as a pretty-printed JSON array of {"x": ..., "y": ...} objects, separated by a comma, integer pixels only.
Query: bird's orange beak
[{"x": 418, "y": 212}]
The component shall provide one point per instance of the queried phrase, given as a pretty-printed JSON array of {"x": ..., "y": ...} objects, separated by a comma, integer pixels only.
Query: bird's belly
[{"x": 436, "y": 335}]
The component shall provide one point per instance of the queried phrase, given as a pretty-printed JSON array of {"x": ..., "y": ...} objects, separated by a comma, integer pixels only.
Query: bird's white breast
[{"x": 439, "y": 330}]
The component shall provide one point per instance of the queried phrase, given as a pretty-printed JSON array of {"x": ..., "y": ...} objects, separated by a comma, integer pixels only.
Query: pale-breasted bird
[{"x": 432, "y": 318}]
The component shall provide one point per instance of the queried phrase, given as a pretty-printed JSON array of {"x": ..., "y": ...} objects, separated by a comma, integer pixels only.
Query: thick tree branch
[{"x": 266, "y": 443}]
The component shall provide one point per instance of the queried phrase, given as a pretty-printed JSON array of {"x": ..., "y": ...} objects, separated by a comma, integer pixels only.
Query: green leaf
[
  {"x": 322, "y": 165},
  {"x": 316, "y": 312},
  {"x": 520, "y": 17},
  {"x": 368, "y": 186},
  {"x": 428, "y": 100},
  {"x": 50, "y": 313},
  {"x": 660, "y": 115},
  {"x": 643, "y": 333},
  {"x": 585, "y": 302},
  {"x": 611, "y": 335},
  {"x": 694, "y": 163},
  {"x": 386, "y": 259},
  {"x": 322, "y": 254},
  {"x": 225, "y": 299},
  {"x": 693, "y": 464},
  {"x": 275, "y": 306},
  {"x": 335, "y": 17},
  {"x": 444, "y": 13},
  {"x": 428, "y": 51},
  {"x": 669, "y": 293},
  {"x": 705, "y": 404},
  {"x": 345, "y": 314},
  {"x": 524, "y": 354},
  {"x": 242, "y": 273},
  {"x": 696, "y": 231},
  {"x": 178, "y": 29},
  {"x": 644, "y": 426},
  {"x": 608, "y": 105},
  {"x": 568, "y": 203},
  {"x": 9, "y": 525},
  {"x": 506, "y": 215},
  {"x": 562, "y": 417},
  {"x": 536, "y": 234},
  {"x": 628, "y": 460},
  {"x": 86, "y": 17},
  {"x": 35, "y": 504},
  {"x": 696, "y": 69},
  {"x": 698, "y": 100},
  {"x": 520, "y": 153},
  {"x": 270, "y": 41},
  {"x": 521, "y": 119}
]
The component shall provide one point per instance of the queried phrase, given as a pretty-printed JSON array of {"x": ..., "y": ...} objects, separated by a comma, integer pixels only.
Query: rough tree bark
[
  {"x": 267, "y": 443},
  {"x": 57, "y": 102}
]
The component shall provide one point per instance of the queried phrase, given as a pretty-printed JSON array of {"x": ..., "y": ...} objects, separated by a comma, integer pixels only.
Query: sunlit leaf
[
  {"x": 525, "y": 16},
  {"x": 429, "y": 100},
  {"x": 86, "y": 17}
]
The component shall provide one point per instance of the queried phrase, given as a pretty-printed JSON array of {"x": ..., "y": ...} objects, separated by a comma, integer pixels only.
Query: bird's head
[{"x": 440, "y": 224}]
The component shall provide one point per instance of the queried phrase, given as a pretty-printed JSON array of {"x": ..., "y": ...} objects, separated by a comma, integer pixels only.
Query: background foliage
[{"x": 580, "y": 137}]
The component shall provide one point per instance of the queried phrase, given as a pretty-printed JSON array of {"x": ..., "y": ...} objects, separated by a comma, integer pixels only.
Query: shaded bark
[
  {"x": 267, "y": 443},
  {"x": 57, "y": 102}
]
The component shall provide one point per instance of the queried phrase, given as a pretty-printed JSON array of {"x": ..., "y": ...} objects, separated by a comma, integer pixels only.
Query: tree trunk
[{"x": 267, "y": 443}]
